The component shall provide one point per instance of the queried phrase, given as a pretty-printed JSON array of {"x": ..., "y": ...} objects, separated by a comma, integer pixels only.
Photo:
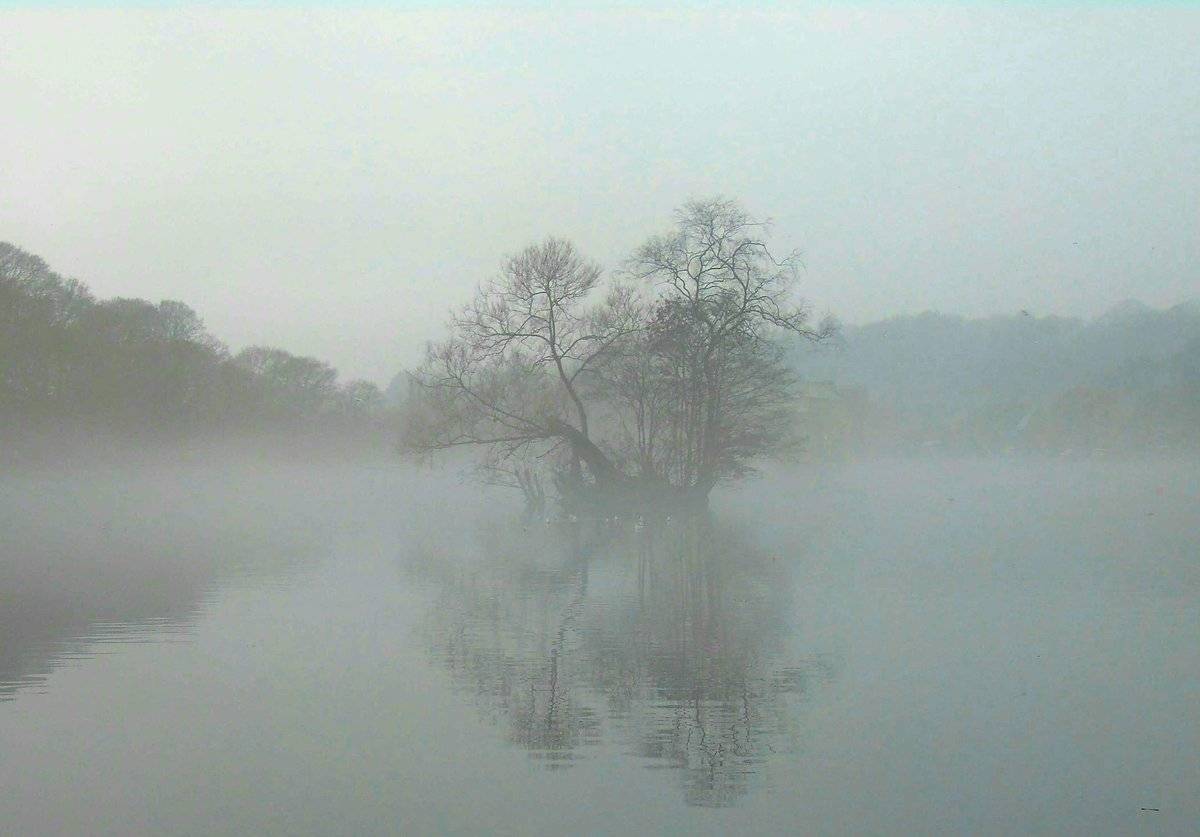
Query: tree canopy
[
  {"x": 138, "y": 366},
  {"x": 671, "y": 376}
]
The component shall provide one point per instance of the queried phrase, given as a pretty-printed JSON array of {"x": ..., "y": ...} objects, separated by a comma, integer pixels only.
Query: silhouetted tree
[
  {"x": 676, "y": 382},
  {"x": 508, "y": 379}
]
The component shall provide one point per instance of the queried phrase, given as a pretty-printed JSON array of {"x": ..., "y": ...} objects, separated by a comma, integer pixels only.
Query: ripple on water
[{"x": 670, "y": 646}]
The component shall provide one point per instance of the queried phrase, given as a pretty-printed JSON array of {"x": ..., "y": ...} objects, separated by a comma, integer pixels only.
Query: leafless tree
[
  {"x": 674, "y": 381},
  {"x": 724, "y": 303},
  {"x": 509, "y": 376}
]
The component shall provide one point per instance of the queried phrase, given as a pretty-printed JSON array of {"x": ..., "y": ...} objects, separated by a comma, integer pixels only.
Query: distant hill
[
  {"x": 942, "y": 364},
  {"x": 938, "y": 374}
]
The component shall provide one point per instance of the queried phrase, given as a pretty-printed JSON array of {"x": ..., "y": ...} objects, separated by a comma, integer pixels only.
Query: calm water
[{"x": 895, "y": 647}]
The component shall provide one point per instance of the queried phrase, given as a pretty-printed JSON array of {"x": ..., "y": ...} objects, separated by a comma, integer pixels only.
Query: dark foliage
[{"x": 133, "y": 367}]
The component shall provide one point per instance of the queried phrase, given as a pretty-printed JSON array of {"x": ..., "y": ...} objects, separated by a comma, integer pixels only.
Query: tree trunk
[{"x": 601, "y": 467}]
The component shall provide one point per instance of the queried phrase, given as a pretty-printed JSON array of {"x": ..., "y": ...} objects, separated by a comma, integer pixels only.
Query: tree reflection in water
[{"x": 668, "y": 639}]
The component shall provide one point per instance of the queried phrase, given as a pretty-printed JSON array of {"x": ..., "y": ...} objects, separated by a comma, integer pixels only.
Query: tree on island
[{"x": 663, "y": 383}]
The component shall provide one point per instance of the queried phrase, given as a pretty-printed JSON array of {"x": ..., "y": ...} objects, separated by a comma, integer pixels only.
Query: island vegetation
[{"x": 658, "y": 383}]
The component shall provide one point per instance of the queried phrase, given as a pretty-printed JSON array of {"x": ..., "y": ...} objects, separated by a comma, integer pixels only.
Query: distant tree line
[
  {"x": 1128, "y": 380},
  {"x": 662, "y": 382},
  {"x": 135, "y": 366}
]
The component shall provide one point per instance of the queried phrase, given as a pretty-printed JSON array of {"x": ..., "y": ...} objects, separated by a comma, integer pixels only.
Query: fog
[
  {"x": 891, "y": 646},
  {"x": 332, "y": 180},
  {"x": 689, "y": 419}
]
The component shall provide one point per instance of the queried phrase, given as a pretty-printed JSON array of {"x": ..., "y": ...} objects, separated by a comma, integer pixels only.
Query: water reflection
[
  {"x": 86, "y": 566},
  {"x": 668, "y": 640}
]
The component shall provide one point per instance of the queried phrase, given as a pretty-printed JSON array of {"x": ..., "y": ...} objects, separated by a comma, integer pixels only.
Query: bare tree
[
  {"x": 675, "y": 381},
  {"x": 509, "y": 377},
  {"x": 724, "y": 301}
]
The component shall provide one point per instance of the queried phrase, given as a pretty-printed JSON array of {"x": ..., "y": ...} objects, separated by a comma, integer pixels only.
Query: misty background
[
  {"x": 947, "y": 581},
  {"x": 332, "y": 180}
]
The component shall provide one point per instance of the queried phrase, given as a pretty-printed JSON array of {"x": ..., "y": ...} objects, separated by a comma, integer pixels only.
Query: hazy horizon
[
  {"x": 334, "y": 181},
  {"x": 678, "y": 559}
]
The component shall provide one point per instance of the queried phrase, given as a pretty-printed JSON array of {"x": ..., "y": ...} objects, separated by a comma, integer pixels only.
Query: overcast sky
[{"x": 333, "y": 181}]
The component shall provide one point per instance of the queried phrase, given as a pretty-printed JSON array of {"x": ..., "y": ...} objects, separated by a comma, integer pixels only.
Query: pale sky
[{"x": 333, "y": 181}]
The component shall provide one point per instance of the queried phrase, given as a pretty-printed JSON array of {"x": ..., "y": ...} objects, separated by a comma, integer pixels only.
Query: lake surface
[{"x": 893, "y": 647}]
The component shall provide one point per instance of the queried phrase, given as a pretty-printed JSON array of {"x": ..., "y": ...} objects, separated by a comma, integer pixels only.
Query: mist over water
[
  {"x": 599, "y": 419},
  {"x": 981, "y": 645}
]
